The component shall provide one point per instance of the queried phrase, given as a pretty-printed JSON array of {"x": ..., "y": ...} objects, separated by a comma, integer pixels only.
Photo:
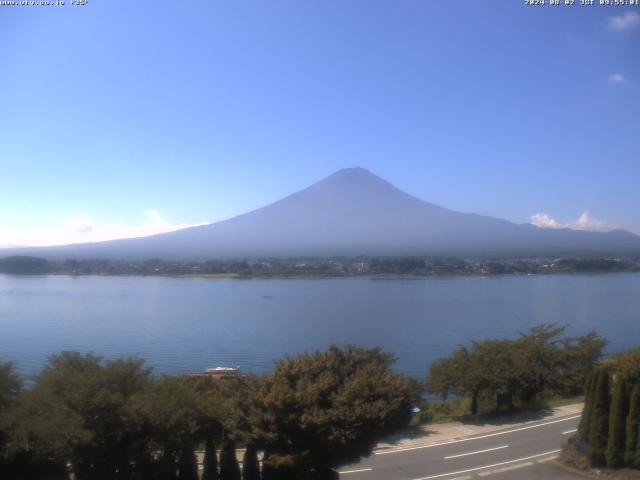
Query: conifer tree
[
  {"x": 637, "y": 459},
  {"x": 187, "y": 465},
  {"x": 268, "y": 471},
  {"x": 167, "y": 467},
  {"x": 210, "y": 463},
  {"x": 632, "y": 451},
  {"x": 599, "y": 424},
  {"x": 585, "y": 419},
  {"x": 145, "y": 467},
  {"x": 250, "y": 465},
  {"x": 229, "y": 468},
  {"x": 617, "y": 424}
]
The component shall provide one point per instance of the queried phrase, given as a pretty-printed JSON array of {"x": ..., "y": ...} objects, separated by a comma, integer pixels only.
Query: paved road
[{"x": 523, "y": 452}]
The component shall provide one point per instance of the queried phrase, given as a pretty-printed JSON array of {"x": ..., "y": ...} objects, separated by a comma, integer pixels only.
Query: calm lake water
[{"x": 188, "y": 324}]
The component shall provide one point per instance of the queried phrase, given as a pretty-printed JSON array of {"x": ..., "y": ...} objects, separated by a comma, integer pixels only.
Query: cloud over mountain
[{"x": 584, "y": 222}]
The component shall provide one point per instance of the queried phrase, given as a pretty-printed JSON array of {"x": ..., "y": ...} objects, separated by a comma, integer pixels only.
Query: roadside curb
[
  {"x": 575, "y": 471},
  {"x": 442, "y": 438}
]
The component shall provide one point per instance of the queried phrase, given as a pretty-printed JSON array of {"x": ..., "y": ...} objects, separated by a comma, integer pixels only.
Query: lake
[{"x": 188, "y": 324}]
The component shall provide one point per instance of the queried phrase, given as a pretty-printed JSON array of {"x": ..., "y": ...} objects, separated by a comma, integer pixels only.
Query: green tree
[
  {"x": 269, "y": 471},
  {"x": 10, "y": 384},
  {"x": 496, "y": 371},
  {"x": 549, "y": 362},
  {"x": 328, "y": 408},
  {"x": 167, "y": 466},
  {"x": 229, "y": 468},
  {"x": 627, "y": 364},
  {"x": 445, "y": 374},
  {"x": 167, "y": 416},
  {"x": 599, "y": 428},
  {"x": 578, "y": 357},
  {"x": 457, "y": 375},
  {"x": 585, "y": 418},
  {"x": 250, "y": 465},
  {"x": 187, "y": 465},
  {"x": 617, "y": 424},
  {"x": 77, "y": 411},
  {"x": 210, "y": 462},
  {"x": 10, "y": 387},
  {"x": 632, "y": 451},
  {"x": 537, "y": 357},
  {"x": 522, "y": 370}
]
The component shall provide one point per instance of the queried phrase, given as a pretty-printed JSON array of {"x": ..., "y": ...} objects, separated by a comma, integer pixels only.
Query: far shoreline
[
  {"x": 386, "y": 276},
  {"x": 322, "y": 267}
]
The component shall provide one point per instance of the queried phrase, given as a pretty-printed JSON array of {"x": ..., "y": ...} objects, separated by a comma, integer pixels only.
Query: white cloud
[
  {"x": 626, "y": 21},
  {"x": 583, "y": 222},
  {"x": 587, "y": 222},
  {"x": 617, "y": 78},
  {"x": 544, "y": 220},
  {"x": 83, "y": 229}
]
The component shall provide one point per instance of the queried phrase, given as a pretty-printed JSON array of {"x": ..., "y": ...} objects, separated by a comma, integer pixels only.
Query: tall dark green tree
[
  {"x": 632, "y": 450},
  {"x": 229, "y": 467},
  {"x": 617, "y": 424},
  {"x": 269, "y": 470},
  {"x": 599, "y": 428},
  {"x": 250, "y": 465},
  {"x": 585, "y": 419},
  {"x": 187, "y": 465},
  {"x": 10, "y": 386},
  {"x": 167, "y": 467},
  {"x": 627, "y": 364},
  {"x": 210, "y": 462}
]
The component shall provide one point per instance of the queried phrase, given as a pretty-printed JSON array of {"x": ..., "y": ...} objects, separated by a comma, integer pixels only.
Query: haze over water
[{"x": 188, "y": 324}]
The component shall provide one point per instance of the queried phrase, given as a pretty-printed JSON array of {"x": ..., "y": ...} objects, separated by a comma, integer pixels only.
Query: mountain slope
[{"x": 348, "y": 213}]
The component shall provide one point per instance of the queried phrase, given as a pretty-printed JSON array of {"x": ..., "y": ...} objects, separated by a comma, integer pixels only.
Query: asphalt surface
[{"x": 525, "y": 452}]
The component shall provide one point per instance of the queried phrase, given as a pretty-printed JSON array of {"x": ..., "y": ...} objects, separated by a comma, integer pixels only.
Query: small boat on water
[
  {"x": 218, "y": 372},
  {"x": 222, "y": 371}
]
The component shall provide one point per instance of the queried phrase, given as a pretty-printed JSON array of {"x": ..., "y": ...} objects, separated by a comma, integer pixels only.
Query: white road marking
[
  {"x": 406, "y": 449},
  {"x": 570, "y": 431},
  {"x": 505, "y": 469},
  {"x": 548, "y": 459},
  {"x": 479, "y": 451},
  {"x": 488, "y": 466},
  {"x": 355, "y": 471}
]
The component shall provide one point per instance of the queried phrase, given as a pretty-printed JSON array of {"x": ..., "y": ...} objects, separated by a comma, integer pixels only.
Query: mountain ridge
[{"x": 350, "y": 212}]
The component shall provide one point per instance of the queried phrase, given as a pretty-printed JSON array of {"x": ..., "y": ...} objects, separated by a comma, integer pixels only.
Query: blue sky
[{"x": 125, "y": 118}]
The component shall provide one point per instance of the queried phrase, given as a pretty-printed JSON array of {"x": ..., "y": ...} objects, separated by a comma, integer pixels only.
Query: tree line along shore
[
  {"x": 320, "y": 267},
  {"x": 115, "y": 419}
]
